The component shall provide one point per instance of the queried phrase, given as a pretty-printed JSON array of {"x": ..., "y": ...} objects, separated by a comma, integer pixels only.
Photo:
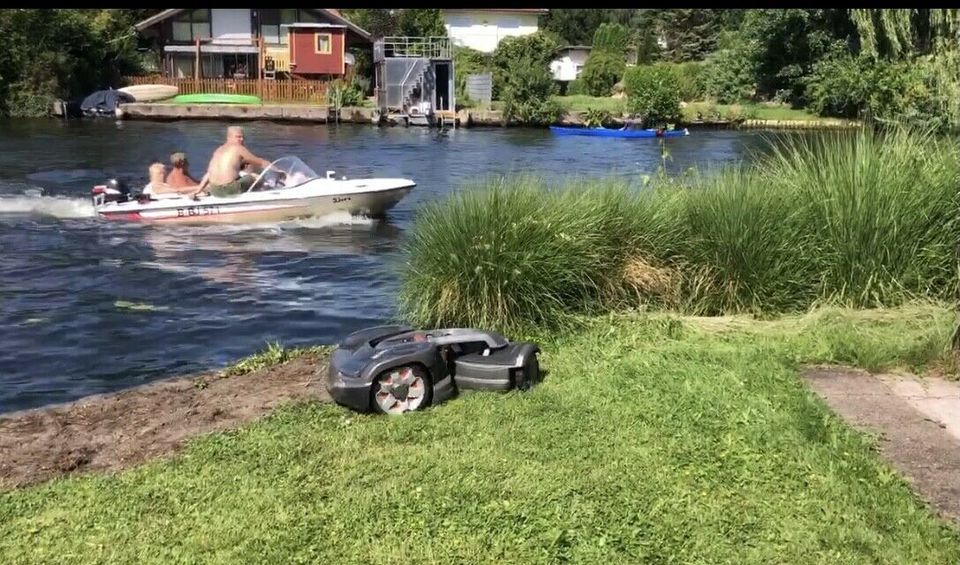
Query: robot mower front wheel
[{"x": 402, "y": 389}]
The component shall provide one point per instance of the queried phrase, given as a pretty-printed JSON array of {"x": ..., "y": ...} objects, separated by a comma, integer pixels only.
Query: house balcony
[{"x": 402, "y": 47}]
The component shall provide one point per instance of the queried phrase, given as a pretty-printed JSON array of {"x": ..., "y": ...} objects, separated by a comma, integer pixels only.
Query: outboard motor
[{"x": 114, "y": 190}]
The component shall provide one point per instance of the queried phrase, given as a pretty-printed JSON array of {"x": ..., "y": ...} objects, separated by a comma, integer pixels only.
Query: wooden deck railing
[{"x": 302, "y": 91}]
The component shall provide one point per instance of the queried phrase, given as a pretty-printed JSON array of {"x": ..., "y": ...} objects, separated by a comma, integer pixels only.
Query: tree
[
  {"x": 48, "y": 54},
  {"x": 421, "y": 23},
  {"x": 690, "y": 34},
  {"x": 606, "y": 63},
  {"x": 785, "y": 44},
  {"x": 898, "y": 34},
  {"x": 574, "y": 27},
  {"x": 383, "y": 22},
  {"x": 378, "y": 22}
]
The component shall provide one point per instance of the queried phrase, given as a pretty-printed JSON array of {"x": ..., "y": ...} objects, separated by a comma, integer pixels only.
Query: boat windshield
[{"x": 285, "y": 172}]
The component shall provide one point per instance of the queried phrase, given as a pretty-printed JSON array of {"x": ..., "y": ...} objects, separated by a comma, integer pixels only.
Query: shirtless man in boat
[{"x": 223, "y": 174}]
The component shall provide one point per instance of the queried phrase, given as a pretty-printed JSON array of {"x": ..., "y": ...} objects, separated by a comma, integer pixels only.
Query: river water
[{"x": 89, "y": 307}]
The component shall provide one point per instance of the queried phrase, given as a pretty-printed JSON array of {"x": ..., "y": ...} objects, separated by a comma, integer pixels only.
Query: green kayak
[{"x": 216, "y": 99}]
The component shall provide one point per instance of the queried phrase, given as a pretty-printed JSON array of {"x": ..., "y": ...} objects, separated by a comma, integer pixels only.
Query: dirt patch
[
  {"x": 115, "y": 431},
  {"x": 917, "y": 420}
]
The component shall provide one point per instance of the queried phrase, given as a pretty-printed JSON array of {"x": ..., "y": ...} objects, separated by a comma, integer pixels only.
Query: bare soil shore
[{"x": 111, "y": 432}]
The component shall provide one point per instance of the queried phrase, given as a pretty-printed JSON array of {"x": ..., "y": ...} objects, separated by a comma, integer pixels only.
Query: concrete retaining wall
[
  {"x": 222, "y": 112},
  {"x": 467, "y": 118}
]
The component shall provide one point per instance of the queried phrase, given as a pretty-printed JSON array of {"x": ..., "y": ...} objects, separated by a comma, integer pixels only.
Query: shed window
[{"x": 324, "y": 44}]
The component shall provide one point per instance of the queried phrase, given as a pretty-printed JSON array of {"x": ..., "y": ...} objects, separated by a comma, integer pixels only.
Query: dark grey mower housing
[{"x": 384, "y": 366}]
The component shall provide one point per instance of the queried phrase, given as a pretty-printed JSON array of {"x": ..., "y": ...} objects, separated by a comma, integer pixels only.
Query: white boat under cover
[{"x": 287, "y": 189}]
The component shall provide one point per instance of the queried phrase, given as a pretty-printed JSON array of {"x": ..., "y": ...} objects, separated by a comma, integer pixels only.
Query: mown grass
[
  {"x": 653, "y": 438},
  {"x": 583, "y": 102},
  {"x": 747, "y": 110},
  {"x": 862, "y": 220}
]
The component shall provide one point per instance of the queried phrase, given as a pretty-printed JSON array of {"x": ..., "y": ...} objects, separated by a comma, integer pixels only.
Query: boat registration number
[
  {"x": 339, "y": 199},
  {"x": 198, "y": 211}
]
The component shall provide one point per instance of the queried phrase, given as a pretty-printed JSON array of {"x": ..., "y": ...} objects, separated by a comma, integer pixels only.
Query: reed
[{"x": 863, "y": 220}]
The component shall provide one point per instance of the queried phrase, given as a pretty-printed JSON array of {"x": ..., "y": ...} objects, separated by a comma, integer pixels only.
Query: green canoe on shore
[{"x": 216, "y": 99}]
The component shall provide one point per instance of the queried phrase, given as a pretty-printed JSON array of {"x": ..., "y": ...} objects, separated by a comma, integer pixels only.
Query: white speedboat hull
[{"x": 318, "y": 197}]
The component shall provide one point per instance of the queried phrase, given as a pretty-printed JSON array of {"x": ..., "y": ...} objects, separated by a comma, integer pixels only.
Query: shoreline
[
  {"x": 469, "y": 118},
  {"x": 113, "y": 431}
]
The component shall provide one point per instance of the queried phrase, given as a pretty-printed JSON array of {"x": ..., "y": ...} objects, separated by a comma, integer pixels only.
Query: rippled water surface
[{"x": 89, "y": 307}]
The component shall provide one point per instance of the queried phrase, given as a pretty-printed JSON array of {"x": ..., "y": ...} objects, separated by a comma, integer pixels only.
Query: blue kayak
[{"x": 623, "y": 132}]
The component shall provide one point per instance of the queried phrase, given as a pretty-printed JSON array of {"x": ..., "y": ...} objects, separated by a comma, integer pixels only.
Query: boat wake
[
  {"x": 341, "y": 218},
  {"x": 56, "y": 206}
]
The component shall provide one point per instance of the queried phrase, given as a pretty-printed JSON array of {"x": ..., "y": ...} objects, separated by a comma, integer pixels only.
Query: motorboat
[{"x": 288, "y": 189}]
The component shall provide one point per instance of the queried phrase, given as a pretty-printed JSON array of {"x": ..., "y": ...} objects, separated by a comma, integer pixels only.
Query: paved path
[{"x": 918, "y": 419}]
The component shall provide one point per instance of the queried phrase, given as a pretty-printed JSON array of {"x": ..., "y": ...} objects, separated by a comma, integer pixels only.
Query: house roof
[
  {"x": 333, "y": 15},
  {"x": 585, "y": 48},
  {"x": 313, "y": 25}
]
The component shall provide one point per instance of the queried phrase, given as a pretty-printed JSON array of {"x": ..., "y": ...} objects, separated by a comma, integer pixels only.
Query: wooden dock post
[
  {"x": 196, "y": 68},
  {"x": 260, "y": 53}
]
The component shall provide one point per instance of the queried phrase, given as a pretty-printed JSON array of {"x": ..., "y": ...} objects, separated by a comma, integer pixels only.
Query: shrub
[
  {"x": 536, "y": 49},
  {"x": 653, "y": 93},
  {"x": 690, "y": 79},
  {"x": 602, "y": 70},
  {"x": 576, "y": 87},
  {"x": 528, "y": 96},
  {"x": 838, "y": 87},
  {"x": 904, "y": 92},
  {"x": 729, "y": 76},
  {"x": 595, "y": 118},
  {"x": 342, "y": 93},
  {"x": 611, "y": 37},
  {"x": 522, "y": 76}
]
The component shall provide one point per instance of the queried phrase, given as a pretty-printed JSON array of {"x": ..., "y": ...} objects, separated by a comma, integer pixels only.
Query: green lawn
[
  {"x": 652, "y": 439},
  {"x": 582, "y": 103},
  {"x": 747, "y": 110},
  {"x": 765, "y": 111}
]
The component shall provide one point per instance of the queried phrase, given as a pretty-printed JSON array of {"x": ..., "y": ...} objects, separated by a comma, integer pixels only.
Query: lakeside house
[
  {"x": 571, "y": 59},
  {"x": 484, "y": 29},
  {"x": 244, "y": 43}
]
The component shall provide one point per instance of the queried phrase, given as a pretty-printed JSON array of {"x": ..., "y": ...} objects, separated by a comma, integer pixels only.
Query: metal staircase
[{"x": 405, "y": 74}]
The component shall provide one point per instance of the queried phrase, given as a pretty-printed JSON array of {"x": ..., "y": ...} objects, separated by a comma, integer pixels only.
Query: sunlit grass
[
  {"x": 272, "y": 354},
  {"x": 653, "y": 438}
]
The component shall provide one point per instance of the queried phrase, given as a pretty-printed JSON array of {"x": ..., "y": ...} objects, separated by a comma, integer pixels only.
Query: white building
[
  {"x": 483, "y": 29},
  {"x": 570, "y": 62},
  {"x": 571, "y": 59}
]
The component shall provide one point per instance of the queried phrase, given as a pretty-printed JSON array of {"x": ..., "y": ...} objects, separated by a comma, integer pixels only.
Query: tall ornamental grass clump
[
  {"x": 515, "y": 253},
  {"x": 740, "y": 247},
  {"x": 878, "y": 214},
  {"x": 863, "y": 220}
]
